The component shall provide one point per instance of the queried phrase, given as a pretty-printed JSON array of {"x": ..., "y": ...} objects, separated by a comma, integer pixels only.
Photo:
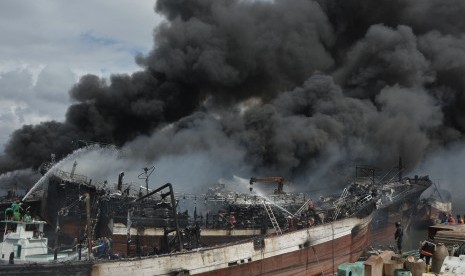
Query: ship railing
[
  {"x": 241, "y": 198},
  {"x": 71, "y": 177},
  {"x": 400, "y": 195},
  {"x": 129, "y": 189},
  {"x": 365, "y": 199},
  {"x": 387, "y": 175}
]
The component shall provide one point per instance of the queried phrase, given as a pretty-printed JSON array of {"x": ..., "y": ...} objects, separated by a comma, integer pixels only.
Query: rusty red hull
[
  {"x": 321, "y": 259},
  {"x": 317, "y": 250}
]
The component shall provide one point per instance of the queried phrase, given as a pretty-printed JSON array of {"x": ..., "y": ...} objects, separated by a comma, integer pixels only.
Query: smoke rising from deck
[
  {"x": 19, "y": 180},
  {"x": 298, "y": 88}
]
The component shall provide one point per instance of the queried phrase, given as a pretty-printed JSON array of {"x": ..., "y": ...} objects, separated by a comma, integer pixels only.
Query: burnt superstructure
[
  {"x": 396, "y": 198},
  {"x": 282, "y": 226}
]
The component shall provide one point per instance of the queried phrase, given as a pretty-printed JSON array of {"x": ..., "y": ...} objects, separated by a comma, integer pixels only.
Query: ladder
[
  {"x": 273, "y": 220},
  {"x": 301, "y": 209},
  {"x": 339, "y": 203}
]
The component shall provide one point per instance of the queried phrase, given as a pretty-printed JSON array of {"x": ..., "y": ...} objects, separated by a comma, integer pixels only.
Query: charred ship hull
[
  {"x": 398, "y": 203},
  {"x": 312, "y": 251},
  {"x": 63, "y": 207}
]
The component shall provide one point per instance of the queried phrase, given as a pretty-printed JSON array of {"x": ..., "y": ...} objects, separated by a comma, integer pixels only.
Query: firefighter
[
  {"x": 426, "y": 251},
  {"x": 232, "y": 220},
  {"x": 8, "y": 213},
  {"x": 290, "y": 223},
  {"x": 27, "y": 216},
  {"x": 16, "y": 206},
  {"x": 398, "y": 235}
]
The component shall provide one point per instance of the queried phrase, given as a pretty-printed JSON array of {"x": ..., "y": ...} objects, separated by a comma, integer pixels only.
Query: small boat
[
  {"x": 433, "y": 208},
  {"x": 24, "y": 242},
  {"x": 396, "y": 199}
]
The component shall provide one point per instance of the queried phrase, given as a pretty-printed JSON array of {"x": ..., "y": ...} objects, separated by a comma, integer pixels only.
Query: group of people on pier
[
  {"x": 103, "y": 247},
  {"x": 448, "y": 218}
]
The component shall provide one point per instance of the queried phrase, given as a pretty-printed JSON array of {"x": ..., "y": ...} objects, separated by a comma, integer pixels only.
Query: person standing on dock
[
  {"x": 444, "y": 218},
  {"x": 398, "y": 235},
  {"x": 426, "y": 251}
]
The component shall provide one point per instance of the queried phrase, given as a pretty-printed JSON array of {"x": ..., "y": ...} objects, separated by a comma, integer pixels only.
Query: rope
[
  {"x": 67, "y": 208},
  {"x": 332, "y": 243},
  {"x": 317, "y": 259}
]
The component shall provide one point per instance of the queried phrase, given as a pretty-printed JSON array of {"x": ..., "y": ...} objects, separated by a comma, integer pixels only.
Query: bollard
[
  {"x": 417, "y": 268},
  {"x": 438, "y": 257}
]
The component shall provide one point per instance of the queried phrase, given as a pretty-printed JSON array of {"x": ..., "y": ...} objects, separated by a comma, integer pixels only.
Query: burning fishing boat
[
  {"x": 396, "y": 199},
  {"x": 309, "y": 240},
  {"x": 432, "y": 208},
  {"x": 313, "y": 250},
  {"x": 398, "y": 204}
]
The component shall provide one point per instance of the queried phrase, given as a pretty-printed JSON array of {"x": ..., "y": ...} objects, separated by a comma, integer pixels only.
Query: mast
[
  {"x": 73, "y": 169},
  {"x": 89, "y": 229},
  {"x": 145, "y": 175},
  {"x": 400, "y": 168},
  {"x": 120, "y": 182}
]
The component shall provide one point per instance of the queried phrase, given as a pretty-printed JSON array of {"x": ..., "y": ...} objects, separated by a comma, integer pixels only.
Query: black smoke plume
[{"x": 298, "y": 88}]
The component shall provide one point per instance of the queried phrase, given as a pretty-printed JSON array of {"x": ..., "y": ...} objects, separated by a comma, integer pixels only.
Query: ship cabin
[{"x": 24, "y": 241}]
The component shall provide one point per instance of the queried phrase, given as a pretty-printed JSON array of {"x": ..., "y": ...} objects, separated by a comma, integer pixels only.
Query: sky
[
  {"x": 46, "y": 46},
  {"x": 297, "y": 88}
]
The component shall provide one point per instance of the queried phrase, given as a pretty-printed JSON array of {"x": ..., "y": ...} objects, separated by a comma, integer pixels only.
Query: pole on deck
[{"x": 89, "y": 226}]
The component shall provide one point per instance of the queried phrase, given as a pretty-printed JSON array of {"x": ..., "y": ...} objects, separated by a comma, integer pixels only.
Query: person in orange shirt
[
  {"x": 426, "y": 252},
  {"x": 459, "y": 220}
]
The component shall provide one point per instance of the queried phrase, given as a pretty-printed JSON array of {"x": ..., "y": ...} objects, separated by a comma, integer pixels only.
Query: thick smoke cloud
[
  {"x": 384, "y": 57},
  {"x": 302, "y": 89}
]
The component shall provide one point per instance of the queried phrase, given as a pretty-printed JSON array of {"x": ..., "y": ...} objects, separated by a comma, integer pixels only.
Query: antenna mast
[{"x": 145, "y": 175}]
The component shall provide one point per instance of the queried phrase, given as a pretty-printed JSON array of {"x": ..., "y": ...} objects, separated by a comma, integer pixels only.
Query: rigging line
[
  {"x": 317, "y": 259},
  {"x": 332, "y": 243},
  {"x": 306, "y": 264}
]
